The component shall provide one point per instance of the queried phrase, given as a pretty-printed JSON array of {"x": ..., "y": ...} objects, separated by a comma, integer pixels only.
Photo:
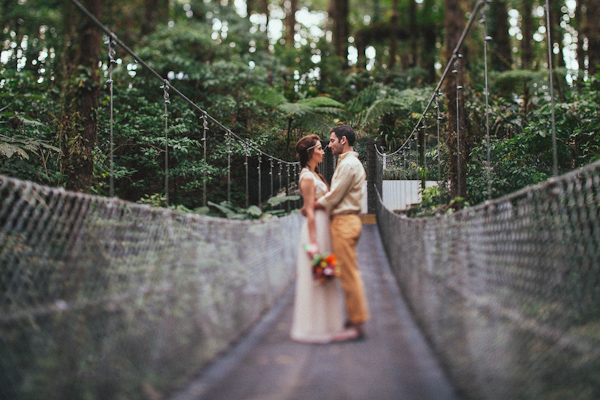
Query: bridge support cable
[
  {"x": 438, "y": 118},
  {"x": 405, "y": 150},
  {"x": 112, "y": 61},
  {"x": 487, "y": 39},
  {"x": 204, "y": 172},
  {"x": 288, "y": 179},
  {"x": 551, "y": 82},
  {"x": 228, "y": 145},
  {"x": 259, "y": 168},
  {"x": 456, "y": 71},
  {"x": 166, "y": 85},
  {"x": 449, "y": 65},
  {"x": 165, "y": 88},
  {"x": 271, "y": 176},
  {"x": 246, "y": 155}
]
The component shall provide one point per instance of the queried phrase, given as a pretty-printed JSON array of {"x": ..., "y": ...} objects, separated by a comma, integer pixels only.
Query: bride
[{"x": 318, "y": 307}]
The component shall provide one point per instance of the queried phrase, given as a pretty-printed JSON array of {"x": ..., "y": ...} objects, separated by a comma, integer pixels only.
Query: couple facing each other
[{"x": 332, "y": 225}]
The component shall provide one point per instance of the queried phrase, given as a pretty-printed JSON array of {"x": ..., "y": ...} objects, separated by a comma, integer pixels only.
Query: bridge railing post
[{"x": 374, "y": 179}]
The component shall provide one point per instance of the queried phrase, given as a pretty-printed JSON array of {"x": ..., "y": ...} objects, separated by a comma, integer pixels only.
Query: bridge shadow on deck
[{"x": 394, "y": 362}]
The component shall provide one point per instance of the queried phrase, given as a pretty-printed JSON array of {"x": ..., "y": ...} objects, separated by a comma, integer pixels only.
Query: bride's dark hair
[{"x": 305, "y": 148}]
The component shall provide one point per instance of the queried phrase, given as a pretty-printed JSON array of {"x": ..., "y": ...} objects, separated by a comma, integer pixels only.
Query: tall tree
[
  {"x": 290, "y": 20},
  {"x": 428, "y": 56},
  {"x": 338, "y": 12},
  {"x": 79, "y": 126},
  {"x": 557, "y": 32},
  {"x": 414, "y": 33},
  {"x": 454, "y": 24},
  {"x": 501, "y": 56},
  {"x": 155, "y": 11},
  {"x": 579, "y": 24},
  {"x": 527, "y": 31},
  {"x": 592, "y": 11},
  {"x": 393, "y": 34}
]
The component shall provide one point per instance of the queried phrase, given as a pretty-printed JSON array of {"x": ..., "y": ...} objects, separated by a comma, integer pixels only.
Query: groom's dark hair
[{"x": 345, "y": 130}]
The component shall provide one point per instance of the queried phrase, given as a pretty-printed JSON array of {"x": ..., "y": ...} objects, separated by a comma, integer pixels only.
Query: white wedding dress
[{"x": 318, "y": 307}]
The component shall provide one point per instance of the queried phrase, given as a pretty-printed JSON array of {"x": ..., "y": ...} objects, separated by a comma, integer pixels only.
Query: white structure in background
[{"x": 399, "y": 195}]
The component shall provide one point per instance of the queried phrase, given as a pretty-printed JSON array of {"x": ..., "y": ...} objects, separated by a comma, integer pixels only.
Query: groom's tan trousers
[{"x": 345, "y": 232}]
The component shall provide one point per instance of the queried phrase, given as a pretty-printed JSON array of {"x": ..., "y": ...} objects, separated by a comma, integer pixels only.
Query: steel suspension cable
[
  {"x": 551, "y": 70},
  {"x": 204, "y": 172},
  {"x": 459, "y": 44},
  {"x": 271, "y": 176},
  {"x": 487, "y": 39},
  {"x": 280, "y": 175},
  {"x": 247, "y": 186},
  {"x": 228, "y": 140},
  {"x": 165, "y": 88},
  {"x": 424, "y": 152},
  {"x": 458, "y": 89},
  {"x": 437, "y": 121},
  {"x": 116, "y": 40},
  {"x": 259, "y": 179},
  {"x": 112, "y": 61}
]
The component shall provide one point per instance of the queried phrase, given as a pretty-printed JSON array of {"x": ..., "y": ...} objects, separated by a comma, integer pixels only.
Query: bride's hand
[{"x": 312, "y": 249}]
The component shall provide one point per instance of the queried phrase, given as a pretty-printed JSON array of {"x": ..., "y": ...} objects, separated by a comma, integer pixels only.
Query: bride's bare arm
[{"x": 307, "y": 188}]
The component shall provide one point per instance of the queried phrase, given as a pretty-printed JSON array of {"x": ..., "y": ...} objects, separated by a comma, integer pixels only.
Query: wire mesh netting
[
  {"x": 509, "y": 292},
  {"x": 101, "y": 298}
]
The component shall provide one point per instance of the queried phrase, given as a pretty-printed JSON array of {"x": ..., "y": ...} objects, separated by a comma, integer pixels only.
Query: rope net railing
[
  {"x": 100, "y": 298},
  {"x": 508, "y": 292}
]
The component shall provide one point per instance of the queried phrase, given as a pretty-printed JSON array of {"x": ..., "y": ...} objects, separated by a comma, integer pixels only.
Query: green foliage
[
  {"x": 270, "y": 94},
  {"x": 270, "y": 210},
  {"x": 515, "y": 165},
  {"x": 521, "y": 145},
  {"x": 388, "y": 113}
]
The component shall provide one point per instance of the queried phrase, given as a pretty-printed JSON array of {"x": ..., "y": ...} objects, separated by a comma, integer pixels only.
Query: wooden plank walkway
[{"x": 394, "y": 362}]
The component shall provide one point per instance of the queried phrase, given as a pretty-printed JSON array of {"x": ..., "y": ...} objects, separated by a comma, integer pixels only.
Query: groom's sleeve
[{"x": 339, "y": 188}]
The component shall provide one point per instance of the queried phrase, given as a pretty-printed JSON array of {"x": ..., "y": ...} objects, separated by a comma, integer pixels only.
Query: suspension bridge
[{"x": 103, "y": 298}]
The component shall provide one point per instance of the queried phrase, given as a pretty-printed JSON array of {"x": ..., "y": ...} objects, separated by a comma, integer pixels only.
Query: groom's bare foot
[{"x": 352, "y": 332}]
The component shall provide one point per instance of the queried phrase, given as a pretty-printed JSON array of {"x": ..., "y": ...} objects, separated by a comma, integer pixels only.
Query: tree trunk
[
  {"x": 265, "y": 10},
  {"x": 80, "y": 115},
  {"x": 338, "y": 11},
  {"x": 580, "y": 28},
  {"x": 393, "y": 34},
  {"x": 593, "y": 35},
  {"x": 361, "y": 48},
  {"x": 250, "y": 8},
  {"x": 454, "y": 24},
  {"x": 429, "y": 39},
  {"x": 414, "y": 33},
  {"x": 151, "y": 16},
  {"x": 290, "y": 20},
  {"x": 526, "y": 45},
  {"x": 557, "y": 32},
  {"x": 501, "y": 59}
]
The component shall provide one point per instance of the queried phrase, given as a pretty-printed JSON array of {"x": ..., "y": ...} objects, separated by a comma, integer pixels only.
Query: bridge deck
[{"x": 394, "y": 362}]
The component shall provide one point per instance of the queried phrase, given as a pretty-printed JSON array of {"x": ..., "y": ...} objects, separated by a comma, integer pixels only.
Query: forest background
[{"x": 272, "y": 71}]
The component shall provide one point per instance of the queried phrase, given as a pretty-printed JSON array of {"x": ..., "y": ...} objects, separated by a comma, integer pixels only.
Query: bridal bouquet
[{"x": 325, "y": 267}]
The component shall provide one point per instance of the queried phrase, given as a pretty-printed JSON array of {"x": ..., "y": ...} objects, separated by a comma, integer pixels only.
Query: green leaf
[
  {"x": 275, "y": 201},
  {"x": 223, "y": 208},
  {"x": 254, "y": 211}
]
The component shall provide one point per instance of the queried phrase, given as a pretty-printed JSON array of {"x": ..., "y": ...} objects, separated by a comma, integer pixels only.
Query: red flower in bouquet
[{"x": 325, "y": 267}]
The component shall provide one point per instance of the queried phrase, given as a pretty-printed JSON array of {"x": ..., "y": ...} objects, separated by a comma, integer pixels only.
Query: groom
[{"x": 344, "y": 202}]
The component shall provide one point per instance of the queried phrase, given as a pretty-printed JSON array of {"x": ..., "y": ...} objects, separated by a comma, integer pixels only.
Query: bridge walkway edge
[{"x": 394, "y": 362}]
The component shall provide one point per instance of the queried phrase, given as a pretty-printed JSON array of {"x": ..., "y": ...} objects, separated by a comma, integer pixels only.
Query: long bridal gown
[{"x": 318, "y": 307}]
